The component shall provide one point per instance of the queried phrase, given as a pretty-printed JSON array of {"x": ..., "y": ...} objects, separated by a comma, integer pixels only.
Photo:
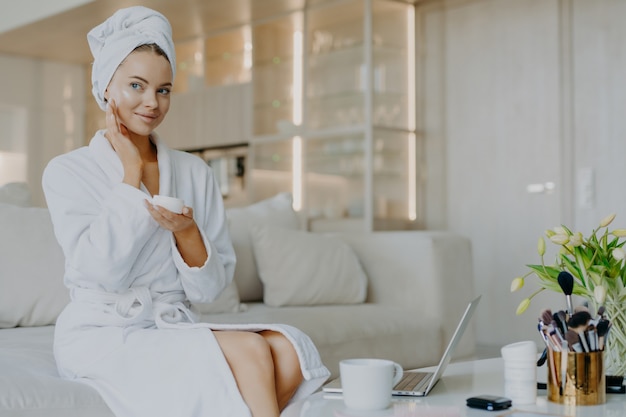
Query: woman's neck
[{"x": 146, "y": 148}]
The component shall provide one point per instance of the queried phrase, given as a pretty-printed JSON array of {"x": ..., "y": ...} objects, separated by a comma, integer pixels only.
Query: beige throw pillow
[
  {"x": 274, "y": 211},
  {"x": 300, "y": 268},
  {"x": 31, "y": 268}
]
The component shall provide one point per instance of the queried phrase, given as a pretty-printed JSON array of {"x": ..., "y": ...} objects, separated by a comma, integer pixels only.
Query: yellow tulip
[
  {"x": 517, "y": 283},
  {"x": 576, "y": 239},
  {"x": 618, "y": 254},
  {"x": 560, "y": 239},
  {"x": 560, "y": 230},
  {"x": 599, "y": 293},
  {"x": 523, "y": 306},
  {"x": 607, "y": 220},
  {"x": 550, "y": 233},
  {"x": 619, "y": 232},
  {"x": 541, "y": 246}
]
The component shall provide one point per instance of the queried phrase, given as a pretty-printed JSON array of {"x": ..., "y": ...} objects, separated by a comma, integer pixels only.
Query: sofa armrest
[{"x": 430, "y": 273}]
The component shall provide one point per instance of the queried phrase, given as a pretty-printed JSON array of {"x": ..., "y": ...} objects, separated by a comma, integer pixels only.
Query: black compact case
[{"x": 489, "y": 402}]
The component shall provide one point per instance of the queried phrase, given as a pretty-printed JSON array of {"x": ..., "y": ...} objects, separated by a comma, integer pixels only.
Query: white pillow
[
  {"x": 227, "y": 302},
  {"x": 275, "y": 211},
  {"x": 31, "y": 268},
  {"x": 16, "y": 193},
  {"x": 303, "y": 268}
]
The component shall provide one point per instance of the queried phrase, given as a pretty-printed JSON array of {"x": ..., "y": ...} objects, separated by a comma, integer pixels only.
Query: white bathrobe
[{"x": 128, "y": 331}]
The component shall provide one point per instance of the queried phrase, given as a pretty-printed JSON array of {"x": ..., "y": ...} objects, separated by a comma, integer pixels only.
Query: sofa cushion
[
  {"x": 30, "y": 385},
  {"x": 275, "y": 211},
  {"x": 303, "y": 268},
  {"x": 227, "y": 302},
  {"x": 16, "y": 193},
  {"x": 31, "y": 268}
]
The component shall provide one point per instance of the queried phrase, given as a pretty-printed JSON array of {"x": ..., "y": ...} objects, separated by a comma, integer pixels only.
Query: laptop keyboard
[{"x": 411, "y": 380}]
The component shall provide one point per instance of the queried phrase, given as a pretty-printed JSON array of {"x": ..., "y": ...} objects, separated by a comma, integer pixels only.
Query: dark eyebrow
[{"x": 146, "y": 81}]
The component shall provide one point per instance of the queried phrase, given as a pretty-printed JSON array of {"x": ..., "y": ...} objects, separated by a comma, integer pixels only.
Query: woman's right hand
[{"x": 118, "y": 136}]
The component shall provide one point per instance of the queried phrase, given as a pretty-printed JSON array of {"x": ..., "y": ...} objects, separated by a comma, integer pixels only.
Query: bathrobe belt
[{"x": 139, "y": 307}]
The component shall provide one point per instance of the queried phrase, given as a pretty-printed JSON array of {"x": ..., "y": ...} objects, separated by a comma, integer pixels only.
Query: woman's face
[{"x": 141, "y": 89}]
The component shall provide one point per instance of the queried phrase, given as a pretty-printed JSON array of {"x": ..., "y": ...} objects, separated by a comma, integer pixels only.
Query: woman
[{"x": 133, "y": 268}]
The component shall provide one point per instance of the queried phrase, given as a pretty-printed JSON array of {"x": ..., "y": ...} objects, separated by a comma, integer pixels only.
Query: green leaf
[
  {"x": 546, "y": 271},
  {"x": 571, "y": 267}
]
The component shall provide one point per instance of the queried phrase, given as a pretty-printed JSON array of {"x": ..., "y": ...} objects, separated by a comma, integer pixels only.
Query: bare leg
[
  {"x": 250, "y": 359},
  {"x": 286, "y": 366}
]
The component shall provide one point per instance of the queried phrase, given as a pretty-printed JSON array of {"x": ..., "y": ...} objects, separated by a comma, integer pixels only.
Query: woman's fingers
[
  {"x": 113, "y": 124},
  {"x": 170, "y": 220},
  {"x": 111, "y": 117}
]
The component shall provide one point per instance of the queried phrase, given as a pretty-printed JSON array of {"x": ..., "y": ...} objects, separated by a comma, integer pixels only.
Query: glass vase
[{"x": 615, "y": 348}]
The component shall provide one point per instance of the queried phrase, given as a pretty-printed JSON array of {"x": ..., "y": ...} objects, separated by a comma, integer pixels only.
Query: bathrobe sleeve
[
  {"x": 204, "y": 284},
  {"x": 100, "y": 228}
]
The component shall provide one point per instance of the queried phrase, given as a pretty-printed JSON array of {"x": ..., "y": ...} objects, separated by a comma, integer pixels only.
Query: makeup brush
[
  {"x": 581, "y": 308},
  {"x": 546, "y": 316},
  {"x": 593, "y": 337},
  {"x": 566, "y": 281},
  {"x": 543, "y": 357},
  {"x": 563, "y": 366},
  {"x": 578, "y": 322},
  {"x": 542, "y": 327},
  {"x": 561, "y": 319},
  {"x": 602, "y": 329},
  {"x": 573, "y": 340}
]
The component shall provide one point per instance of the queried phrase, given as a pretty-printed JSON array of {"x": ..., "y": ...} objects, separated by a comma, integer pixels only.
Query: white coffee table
[{"x": 447, "y": 399}]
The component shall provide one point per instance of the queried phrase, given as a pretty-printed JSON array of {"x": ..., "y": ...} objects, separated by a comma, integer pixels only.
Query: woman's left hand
[
  {"x": 186, "y": 232},
  {"x": 172, "y": 221}
]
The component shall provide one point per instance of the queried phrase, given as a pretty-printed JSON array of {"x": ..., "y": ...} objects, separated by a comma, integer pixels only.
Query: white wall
[
  {"x": 599, "y": 106},
  {"x": 50, "y": 98},
  {"x": 520, "y": 92}
]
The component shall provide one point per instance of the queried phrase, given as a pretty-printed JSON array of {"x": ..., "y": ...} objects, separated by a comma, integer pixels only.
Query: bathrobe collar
[{"x": 107, "y": 159}]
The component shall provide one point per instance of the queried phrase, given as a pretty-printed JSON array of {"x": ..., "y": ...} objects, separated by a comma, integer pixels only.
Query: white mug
[
  {"x": 520, "y": 372},
  {"x": 173, "y": 204},
  {"x": 367, "y": 383}
]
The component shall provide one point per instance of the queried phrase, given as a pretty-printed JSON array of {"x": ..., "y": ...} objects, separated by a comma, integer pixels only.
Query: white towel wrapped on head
[{"x": 115, "y": 38}]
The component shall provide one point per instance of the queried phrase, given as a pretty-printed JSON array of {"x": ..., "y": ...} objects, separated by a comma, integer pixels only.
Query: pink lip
[{"x": 147, "y": 117}]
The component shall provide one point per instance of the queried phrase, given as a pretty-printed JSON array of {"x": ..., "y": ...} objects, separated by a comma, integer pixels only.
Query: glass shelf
[
  {"x": 273, "y": 72},
  {"x": 272, "y": 83},
  {"x": 355, "y": 158},
  {"x": 271, "y": 169},
  {"x": 228, "y": 57},
  {"x": 189, "y": 66}
]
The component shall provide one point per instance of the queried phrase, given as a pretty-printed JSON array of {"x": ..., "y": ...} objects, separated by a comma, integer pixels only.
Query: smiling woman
[{"x": 134, "y": 268}]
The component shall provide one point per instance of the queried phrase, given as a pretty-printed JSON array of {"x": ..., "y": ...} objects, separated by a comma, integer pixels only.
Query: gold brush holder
[{"x": 585, "y": 382}]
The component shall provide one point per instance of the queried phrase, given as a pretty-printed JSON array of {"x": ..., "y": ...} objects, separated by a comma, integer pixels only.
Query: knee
[
  {"x": 245, "y": 350},
  {"x": 256, "y": 348},
  {"x": 278, "y": 343},
  {"x": 284, "y": 354}
]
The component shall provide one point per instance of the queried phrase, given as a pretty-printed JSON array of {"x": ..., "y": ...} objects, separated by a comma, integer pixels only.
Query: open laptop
[{"x": 419, "y": 384}]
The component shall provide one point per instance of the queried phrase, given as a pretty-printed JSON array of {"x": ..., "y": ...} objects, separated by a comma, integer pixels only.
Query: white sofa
[{"x": 402, "y": 302}]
